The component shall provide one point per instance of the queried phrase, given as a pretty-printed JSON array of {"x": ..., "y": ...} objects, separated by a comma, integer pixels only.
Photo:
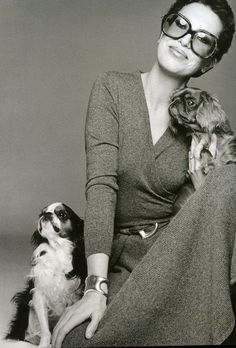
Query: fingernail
[{"x": 89, "y": 334}]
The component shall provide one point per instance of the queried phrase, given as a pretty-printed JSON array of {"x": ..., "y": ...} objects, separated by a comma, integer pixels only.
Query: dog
[
  {"x": 197, "y": 113},
  {"x": 57, "y": 275},
  {"x": 201, "y": 115}
]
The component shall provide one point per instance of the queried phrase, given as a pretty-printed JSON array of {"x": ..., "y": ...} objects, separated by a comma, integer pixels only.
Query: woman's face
[{"x": 175, "y": 55}]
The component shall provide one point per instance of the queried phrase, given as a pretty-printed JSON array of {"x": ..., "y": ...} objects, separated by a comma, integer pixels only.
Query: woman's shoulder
[{"x": 115, "y": 78}]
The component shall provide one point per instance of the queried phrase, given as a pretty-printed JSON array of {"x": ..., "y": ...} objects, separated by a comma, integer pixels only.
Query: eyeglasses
[{"x": 176, "y": 26}]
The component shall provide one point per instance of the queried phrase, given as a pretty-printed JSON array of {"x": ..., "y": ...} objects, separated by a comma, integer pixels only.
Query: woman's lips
[{"x": 178, "y": 52}]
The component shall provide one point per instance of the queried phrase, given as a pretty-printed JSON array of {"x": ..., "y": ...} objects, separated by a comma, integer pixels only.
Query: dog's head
[
  {"x": 197, "y": 111},
  {"x": 57, "y": 220}
]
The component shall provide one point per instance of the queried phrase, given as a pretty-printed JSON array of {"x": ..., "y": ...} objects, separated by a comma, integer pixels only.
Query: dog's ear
[
  {"x": 210, "y": 115},
  {"x": 77, "y": 222},
  {"x": 78, "y": 260},
  {"x": 173, "y": 127},
  {"x": 37, "y": 239}
]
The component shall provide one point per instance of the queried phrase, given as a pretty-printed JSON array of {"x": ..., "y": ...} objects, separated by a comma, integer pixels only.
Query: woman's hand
[
  {"x": 195, "y": 171},
  {"x": 91, "y": 306}
]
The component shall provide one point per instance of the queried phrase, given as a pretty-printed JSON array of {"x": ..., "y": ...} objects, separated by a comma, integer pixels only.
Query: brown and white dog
[
  {"x": 56, "y": 279},
  {"x": 198, "y": 114}
]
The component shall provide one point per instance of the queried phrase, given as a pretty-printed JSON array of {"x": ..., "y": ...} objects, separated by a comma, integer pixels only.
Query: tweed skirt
[{"x": 174, "y": 288}]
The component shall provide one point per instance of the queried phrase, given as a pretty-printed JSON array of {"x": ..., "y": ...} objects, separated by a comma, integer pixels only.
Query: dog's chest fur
[{"x": 50, "y": 275}]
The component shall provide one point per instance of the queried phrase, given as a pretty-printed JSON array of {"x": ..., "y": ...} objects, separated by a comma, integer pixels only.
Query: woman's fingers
[
  {"x": 194, "y": 163},
  {"x": 213, "y": 144},
  {"x": 197, "y": 146},
  {"x": 91, "y": 306},
  {"x": 192, "y": 155},
  {"x": 190, "y": 162},
  {"x": 63, "y": 320},
  {"x": 93, "y": 325},
  {"x": 60, "y": 334},
  {"x": 65, "y": 325},
  {"x": 195, "y": 170}
]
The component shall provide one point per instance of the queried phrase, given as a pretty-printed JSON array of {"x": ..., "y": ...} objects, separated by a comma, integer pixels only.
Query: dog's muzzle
[{"x": 47, "y": 218}]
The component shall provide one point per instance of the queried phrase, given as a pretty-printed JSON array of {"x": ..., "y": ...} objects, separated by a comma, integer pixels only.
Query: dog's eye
[
  {"x": 42, "y": 253},
  {"x": 190, "y": 102},
  {"x": 62, "y": 214}
]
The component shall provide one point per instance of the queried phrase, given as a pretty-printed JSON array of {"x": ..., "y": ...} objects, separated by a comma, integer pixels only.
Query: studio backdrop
[{"x": 51, "y": 51}]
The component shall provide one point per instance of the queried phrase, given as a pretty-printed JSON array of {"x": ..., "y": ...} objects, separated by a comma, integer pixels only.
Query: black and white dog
[{"x": 56, "y": 279}]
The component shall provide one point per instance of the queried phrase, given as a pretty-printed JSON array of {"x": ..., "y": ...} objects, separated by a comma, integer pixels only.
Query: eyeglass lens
[{"x": 175, "y": 26}]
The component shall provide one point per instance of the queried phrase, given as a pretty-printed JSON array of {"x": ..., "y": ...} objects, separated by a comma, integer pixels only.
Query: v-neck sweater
[{"x": 130, "y": 181}]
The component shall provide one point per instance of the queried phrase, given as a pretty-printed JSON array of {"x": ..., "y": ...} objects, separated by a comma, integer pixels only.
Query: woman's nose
[{"x": 185, "y": 40}]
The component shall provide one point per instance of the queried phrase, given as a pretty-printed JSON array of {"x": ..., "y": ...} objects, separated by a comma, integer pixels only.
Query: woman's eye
[
  {"x": 204, "y": 39},
  {"x": 180, "y": 23}
]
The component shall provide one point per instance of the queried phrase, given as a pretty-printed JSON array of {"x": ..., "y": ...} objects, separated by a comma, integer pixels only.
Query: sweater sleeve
[{"x": 101, "y": 137}]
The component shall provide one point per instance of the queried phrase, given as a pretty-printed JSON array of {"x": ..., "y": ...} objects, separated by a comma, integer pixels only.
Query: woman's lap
[{"x": 179, "y": 291}]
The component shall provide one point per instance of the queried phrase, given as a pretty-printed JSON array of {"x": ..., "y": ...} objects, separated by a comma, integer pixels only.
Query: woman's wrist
[
  {"x": 97, "y": 284},
  {"x": 98, "y": 265},
  {"x": 96, "y": 280}
]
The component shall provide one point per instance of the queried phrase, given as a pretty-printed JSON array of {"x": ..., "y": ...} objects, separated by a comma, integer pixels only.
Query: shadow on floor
[{"x": 15, "y": 254}]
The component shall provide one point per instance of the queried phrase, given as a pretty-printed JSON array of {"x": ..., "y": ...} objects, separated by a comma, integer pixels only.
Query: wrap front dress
[{"x": 174, "y": 287}]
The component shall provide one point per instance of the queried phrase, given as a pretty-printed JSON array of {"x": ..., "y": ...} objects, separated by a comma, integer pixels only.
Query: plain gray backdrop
[{"x": 51, "y": 51}]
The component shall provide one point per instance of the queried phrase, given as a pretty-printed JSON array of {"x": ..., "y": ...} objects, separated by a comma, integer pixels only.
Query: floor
[{"x": 15, "y": 254}]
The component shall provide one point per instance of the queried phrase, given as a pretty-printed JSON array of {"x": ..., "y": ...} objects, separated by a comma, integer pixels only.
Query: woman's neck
[{"x": 158, "y": 86}]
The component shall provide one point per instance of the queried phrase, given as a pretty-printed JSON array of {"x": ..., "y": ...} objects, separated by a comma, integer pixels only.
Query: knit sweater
[{"x": 130, "y": 181}]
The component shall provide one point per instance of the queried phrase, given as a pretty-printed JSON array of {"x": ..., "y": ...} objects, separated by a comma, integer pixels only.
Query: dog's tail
[{"x": 19, "y": 324}]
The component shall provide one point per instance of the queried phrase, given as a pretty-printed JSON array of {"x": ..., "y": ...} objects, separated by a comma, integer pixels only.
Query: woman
[{"x": 172, "y": 287}]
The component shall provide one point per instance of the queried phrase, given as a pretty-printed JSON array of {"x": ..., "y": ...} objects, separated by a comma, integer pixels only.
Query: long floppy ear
[
  {"x": 77, "y": 232},
  {"x": 79, "y": 261},
  {"x": 210, "y": 115},
  {"x": 37, "y": 239}
]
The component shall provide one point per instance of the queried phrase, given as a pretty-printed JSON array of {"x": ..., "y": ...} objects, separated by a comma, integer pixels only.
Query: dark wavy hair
[{"x": 222, "y": 9}]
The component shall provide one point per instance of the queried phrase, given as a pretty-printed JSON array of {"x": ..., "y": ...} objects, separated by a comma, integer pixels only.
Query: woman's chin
[{"x": 176, "y": 69}]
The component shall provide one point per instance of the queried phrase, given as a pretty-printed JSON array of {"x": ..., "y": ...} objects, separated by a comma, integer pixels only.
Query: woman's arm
[
  {"x": 102, "y": 148},
  {"x": 101, "y": 190}
]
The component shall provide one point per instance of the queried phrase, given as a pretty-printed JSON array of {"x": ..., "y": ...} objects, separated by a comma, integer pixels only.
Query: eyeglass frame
[{"x": 191, "y": 32}]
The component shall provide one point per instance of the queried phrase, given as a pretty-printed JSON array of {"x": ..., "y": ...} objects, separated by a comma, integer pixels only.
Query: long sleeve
[{"x": 101, "y": 136}]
